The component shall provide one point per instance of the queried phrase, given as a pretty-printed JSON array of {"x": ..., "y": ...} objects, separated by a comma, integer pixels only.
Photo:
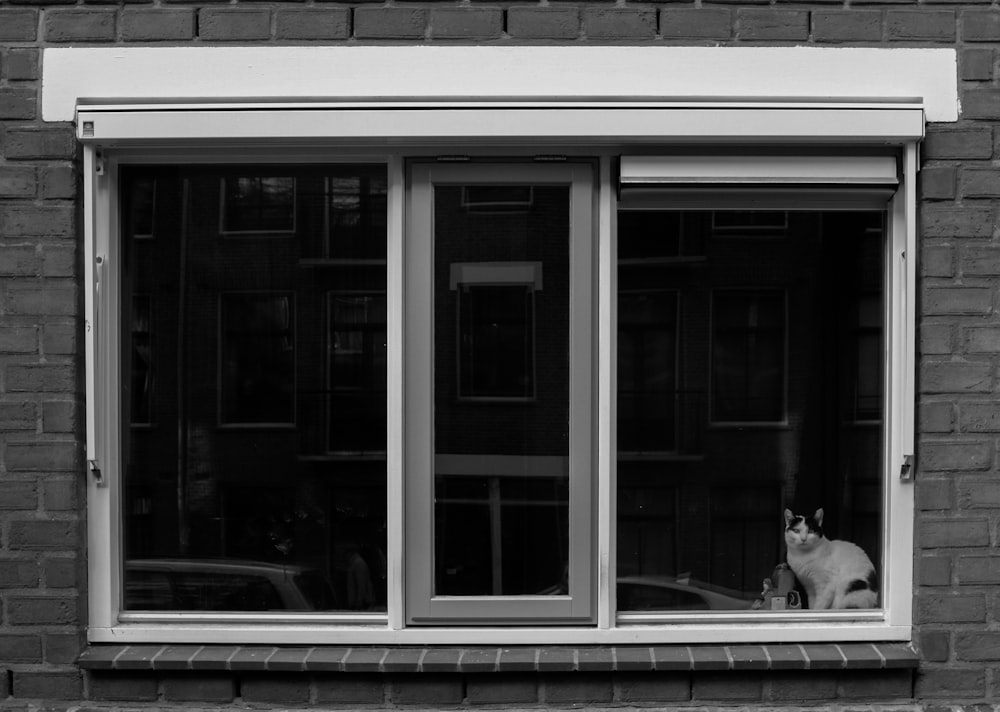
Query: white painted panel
[{"x": 75, "y": 74}]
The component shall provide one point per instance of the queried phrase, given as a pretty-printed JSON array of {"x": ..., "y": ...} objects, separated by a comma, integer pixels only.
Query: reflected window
[
  {"x": 748, "y": 355},
  {"x": 141, "y": 387},
  {"x": 258, "y": 204},
  {"x": 257, "y": 358}
]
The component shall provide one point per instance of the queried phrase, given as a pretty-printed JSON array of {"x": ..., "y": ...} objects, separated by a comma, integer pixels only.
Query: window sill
[{"x": 679, "y": 658}]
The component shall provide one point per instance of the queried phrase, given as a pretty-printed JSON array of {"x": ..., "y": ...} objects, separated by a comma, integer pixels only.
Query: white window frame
[{"x": 162, "y": 132}]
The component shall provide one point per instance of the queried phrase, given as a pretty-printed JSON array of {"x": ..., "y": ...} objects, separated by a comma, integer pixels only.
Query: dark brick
[
  {"x": 937, "y": 338},
  {"x": 60, "y": 572},
  {"x": 507, "y": 689},
  {"x": 653, "y": 687},
  {"x": 364, "y": 659},
  {"x": 441, "y": 660},
  {"x": 935, "y": 646},
  {"x": 59, "y": 261},
  {"x": 199, "y": 688},
  {"x": 956, "y": 377},
  {"x": 556, "y": 660},
  {"x": 759, "y": 24},
  {"x": 350, "y": 689},
  {"x": 824, "y": 657},
  {"x": 476, "y": 660},
  {"x": 726, "y": 686},
  {"x": 957, "y": 222},
  {"x": 517, "y": 660},
  {"x": 749, "y": 657},
  {"x": 43, "y": 534},
  {"x": 976, "y": 493},
  {"x": 980, "y": 261},
  {"x": 17, "y": 103},
  {"x": 938, "y": 183},
  {"x": 326, "y": 659},
  {"x": 976, "y": 65},
  {"x": 18, "y": 416},
  {"x": 176, "y": 657},
  {"x": 18, "y": 25},
  {"x": 234, "y": 25},
  {"x": 58, "y": 416},
  {"x": 40, "y": 378},
  {"x": 47, "y": 685},
  {"x": 786, "y": 657},
  {"x": 41, "y": 301},
  {"x": 20, "y": 648},
  {"x": 802, "y": 685},
  {"x": 936, "y": 417},
  {"x": 47, "y": 456},
  {"x": 974, "y": 143},
  {"x": 934, "y": 571},
  {"x": 981, "y": 103},
  {"x": 17, "y": 182},
  {"x": 543, "y": 22},
  {"x": 980, "y": 183},
  {"x": 18, "y": 573},
  {"x": 62, "y": 648},
  {"x": 22, "y": 62},
  {"x": 673, "y": 658},
  {"x": 950, "y": 683},
  {"x": 709, "y": 657},
  {"x": 123, "y": 686},
  {"x": 626, "y": 658},
  {"x": 936, "y": 533},
  {"x": 290, "y": 659},
  {"x": 41, "y": 610},
  {"x": 978, "y": 570},
  {"x": 18, "y": 495},
  {"x": 984, "y": 340},
  {"x": 947, "y": 456},
  {"x": 80, "y": 25},
  {"x": 947, "y": 301},
  {"x": 934, "y": 494},
  {"x": 426, "y": 689},
  {"x": 928, "y": 25},
  {"x": 977, "y": 646},
  {"x": 846, "y": 26},
  {"x": 876, "y": 685},
  {"x": 390, "y": 22},
  {"x": 155, "y": 25},
  {"x": 402, "y": 660},
  {"x": 619, "y": 23},
  {"x": 38, "y": 221},
  {"x": 951, "y": 608},
  {"x": 326, "y": 24},
  {"x": 572, "y": 688},
  {"x": 466, "y": 23},
  {"x": 696, "y": 23},
  {"x": 275, "y": 688},
  {"x": 981, "y": 26},
  {"x": 34, "y": 144}
]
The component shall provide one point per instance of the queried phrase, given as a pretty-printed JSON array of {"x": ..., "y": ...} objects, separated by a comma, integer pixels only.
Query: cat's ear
[
  {"x": 789, "y": 517},
  {"x": 819, "y": 517}
]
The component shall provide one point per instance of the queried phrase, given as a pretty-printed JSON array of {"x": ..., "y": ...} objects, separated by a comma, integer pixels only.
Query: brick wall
[{"x": 957, "y": 567}]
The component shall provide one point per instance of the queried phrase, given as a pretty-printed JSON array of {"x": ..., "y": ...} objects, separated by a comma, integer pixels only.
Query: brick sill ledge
[{"x": 677, "y": 658}]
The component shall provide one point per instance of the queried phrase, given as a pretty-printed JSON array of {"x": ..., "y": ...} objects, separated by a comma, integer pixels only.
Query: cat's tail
[{"x": 860, "y": 593}]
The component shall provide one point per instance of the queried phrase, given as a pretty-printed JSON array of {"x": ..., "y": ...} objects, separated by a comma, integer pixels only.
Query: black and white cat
[{"x": 834, "y": 573}]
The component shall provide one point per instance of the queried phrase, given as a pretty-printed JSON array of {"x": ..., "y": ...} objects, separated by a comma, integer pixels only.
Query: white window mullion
[
  {"x": 395, "y": 533},
  {"x": 606, "y": 387}
]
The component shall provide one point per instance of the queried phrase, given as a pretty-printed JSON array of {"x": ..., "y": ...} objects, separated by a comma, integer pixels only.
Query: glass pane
[
  {"x": 750, "y": 380},
  {"x": 256, "y": 369},
  {"x": 501, "y": 340}
]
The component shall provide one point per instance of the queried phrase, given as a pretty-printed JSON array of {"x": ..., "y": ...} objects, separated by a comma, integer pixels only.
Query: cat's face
[{"x": 803, "y": 532}]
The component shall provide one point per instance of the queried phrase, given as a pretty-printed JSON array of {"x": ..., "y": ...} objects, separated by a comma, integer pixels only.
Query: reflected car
[
  {"x": 224, "y": 585},
  {"x": 667, "y": 593}
]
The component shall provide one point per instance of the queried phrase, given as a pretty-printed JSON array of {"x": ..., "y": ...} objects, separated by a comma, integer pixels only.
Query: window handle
[{"x": 906, "y": 469}]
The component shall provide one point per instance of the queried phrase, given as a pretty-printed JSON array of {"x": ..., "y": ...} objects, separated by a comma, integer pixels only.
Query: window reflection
[
  {"x": 259, "y": 481},
  {"x": 750, "y": 378}
]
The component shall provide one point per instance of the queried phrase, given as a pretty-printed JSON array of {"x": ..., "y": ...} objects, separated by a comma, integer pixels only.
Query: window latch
[
  {"x": 906, "y": 469},
  {"x": 95, "y": 471}
]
